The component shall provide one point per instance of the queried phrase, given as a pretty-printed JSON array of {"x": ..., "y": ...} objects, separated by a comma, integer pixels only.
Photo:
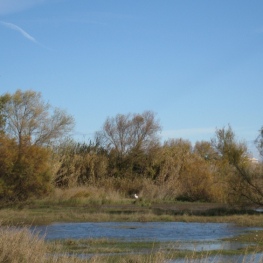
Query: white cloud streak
[
  {"x": 13, "y": 6},
  {"x": 20, "y": 30}
]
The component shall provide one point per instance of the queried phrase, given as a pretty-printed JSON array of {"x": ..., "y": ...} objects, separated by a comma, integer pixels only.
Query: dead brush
[
  {"x": 21, "y": 246},
  {"x": 86, "y": 195},
  {"x": 158, "y": 192}
]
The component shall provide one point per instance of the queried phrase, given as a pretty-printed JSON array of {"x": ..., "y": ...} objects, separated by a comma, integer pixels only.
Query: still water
[
  {"x": 175, "y": 235},
  {"x": 136, "y": 231}
]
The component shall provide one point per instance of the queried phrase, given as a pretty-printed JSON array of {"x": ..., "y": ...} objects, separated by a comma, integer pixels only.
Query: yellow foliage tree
[{"x": 24, "y": 173}]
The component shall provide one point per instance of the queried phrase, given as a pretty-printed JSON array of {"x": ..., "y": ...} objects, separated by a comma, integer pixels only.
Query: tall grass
[
  {"x": 85, "y": 195},
  {"x": 20, "y": 246},
  {"x": 93, "y": 204},
  {"x": 23, "y": 246},
  {"x": 116, "y": 190}
]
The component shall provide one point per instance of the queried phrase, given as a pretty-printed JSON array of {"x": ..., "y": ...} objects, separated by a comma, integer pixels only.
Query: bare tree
[
  {"x": 125, "y": 133},
  {"x": 28, "y": 118}
]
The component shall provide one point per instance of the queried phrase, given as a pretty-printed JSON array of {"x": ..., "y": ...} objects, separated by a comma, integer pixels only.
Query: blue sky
[{"x": 197, "y": 64}]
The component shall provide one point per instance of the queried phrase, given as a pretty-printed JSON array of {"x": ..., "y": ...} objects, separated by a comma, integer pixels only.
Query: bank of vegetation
[
  {"x": 39, "y": 160},
  {"x": 21, "y": 245}
]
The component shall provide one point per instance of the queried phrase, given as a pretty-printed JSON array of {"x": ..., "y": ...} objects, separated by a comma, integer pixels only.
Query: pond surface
[
  {"x": 173, "y": 236},
  {"x": 136, "y": 231},
  {"x": 255, "y": 258}
]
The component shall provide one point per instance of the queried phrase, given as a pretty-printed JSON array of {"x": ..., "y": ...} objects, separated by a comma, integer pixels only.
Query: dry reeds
[
  {"x": 22, "y": 246},
  {"x": 85, "y": 195}
]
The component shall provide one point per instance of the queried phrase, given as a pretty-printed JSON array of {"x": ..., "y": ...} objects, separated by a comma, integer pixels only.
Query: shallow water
[
  {"x": 207, "y": 246},
  {"x": 255, "y": 258},
  {"x": 136, "y": 231},
  {"x": 174, "y": 235}
]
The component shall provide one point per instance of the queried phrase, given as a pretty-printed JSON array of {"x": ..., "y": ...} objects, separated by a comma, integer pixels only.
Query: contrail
[{"x": 20, "y": 30}]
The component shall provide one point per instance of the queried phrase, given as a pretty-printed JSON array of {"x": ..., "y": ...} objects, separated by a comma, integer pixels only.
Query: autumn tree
[
  {"x": 196, "y": 182},
  {"x": 205, "y": 150},
  {"x": 124, "y": 133},
  {"x": 128, "y": 139},
  {"x": 28, "y": 125},
  {"x": 244, "y": 179},
  {"x": 79, "y": 164},
  {"x": 186, "y": 174},
  {"x": 218, "y": 187},
  {"x": 29, "y": 119},
  {"x": 259, "y": 141},
  {"x": 3, "y": 101},
  {"x": 172, "y": 157},
  {"x": 23, "y": 175}
]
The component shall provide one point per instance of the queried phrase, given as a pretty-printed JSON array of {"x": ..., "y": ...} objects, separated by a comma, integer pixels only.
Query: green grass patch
[{"x": 43, "y": 213}]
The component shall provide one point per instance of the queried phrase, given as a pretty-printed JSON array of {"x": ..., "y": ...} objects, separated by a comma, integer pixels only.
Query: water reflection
[
  {"x": 255, "y": 258},
  {"x": 136, "y": 231},
  {"x": 172, "y": 235},
  {"x": 207, "y": 246}
]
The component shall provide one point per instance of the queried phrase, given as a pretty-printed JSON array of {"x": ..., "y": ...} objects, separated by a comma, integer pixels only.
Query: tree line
[{"x": 37, "y": 154}]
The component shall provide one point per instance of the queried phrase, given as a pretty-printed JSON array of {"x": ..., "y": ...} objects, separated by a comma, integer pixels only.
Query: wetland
[{"x": 134, "y": 232}]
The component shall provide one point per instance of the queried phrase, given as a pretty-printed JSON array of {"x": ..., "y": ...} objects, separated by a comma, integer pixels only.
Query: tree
[
  {"x": 228, "y": 148},
  {"x": 128, "y": 140},
  {"x": 30, "y": 120},
  {"x": 188, "y": 173},
  {"x": 205, "y": 150},
  {"x": 259, "y": 141},
  {"x": 3, "y": 100},
  {"x": 244, "y": 179},
  {"x": 217, "y": 169},
  {"x": 28, "y": 125},
  {"x": 79, "y": 164},
  {"x": 23, "y": 175},
  {"x": 196, "y": 180},
  {"x": 126, "y": 133},
  {"x": 173, "y": 157}
]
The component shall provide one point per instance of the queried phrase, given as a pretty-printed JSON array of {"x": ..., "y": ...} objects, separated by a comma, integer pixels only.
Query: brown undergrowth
[{"x": 83, "y": 204}]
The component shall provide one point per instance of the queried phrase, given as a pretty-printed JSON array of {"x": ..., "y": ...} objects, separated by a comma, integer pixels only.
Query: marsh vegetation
[
  {"x": 126, "y": 157},
  {"x": 21, "y": 245},
  {"x": 46, "y": 176}
]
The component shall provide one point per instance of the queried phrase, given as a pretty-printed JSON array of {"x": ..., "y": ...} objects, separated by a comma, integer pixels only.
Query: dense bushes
[
  {"x": 171, "y": 171},
  {"x": 127, "y": 154},
  {"x": 174, "y": 170},
  {"x": 24, "y": 172}
]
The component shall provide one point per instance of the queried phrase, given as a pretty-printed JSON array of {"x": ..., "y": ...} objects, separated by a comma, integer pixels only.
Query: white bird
[{"x": 136, "y": 196}]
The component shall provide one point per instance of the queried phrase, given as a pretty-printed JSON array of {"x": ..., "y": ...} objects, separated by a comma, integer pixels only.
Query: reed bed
[
  {"x": 90, "y": 204},
  {"x": 20, "y": 245},
  {"x": 43, "y": 214}
]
